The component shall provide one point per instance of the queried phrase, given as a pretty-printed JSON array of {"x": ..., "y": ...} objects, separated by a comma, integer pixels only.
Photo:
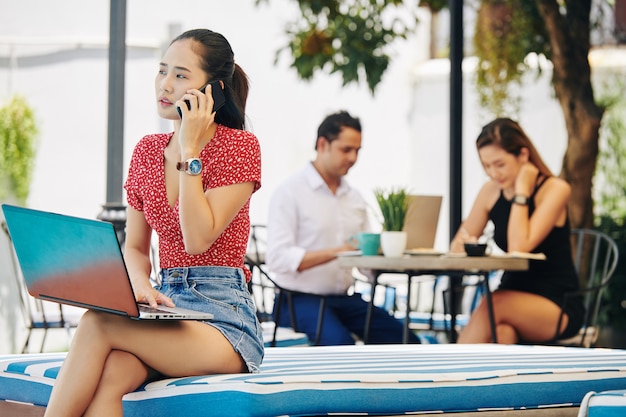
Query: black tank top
[{"x": 549, "y": 278}]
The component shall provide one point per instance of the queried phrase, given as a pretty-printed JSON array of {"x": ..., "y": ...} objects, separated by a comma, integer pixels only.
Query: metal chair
[
  {"x": 38, "y": 314},
  {"x": 255, "y": 259},
  {"x": 595, "y": 258}
]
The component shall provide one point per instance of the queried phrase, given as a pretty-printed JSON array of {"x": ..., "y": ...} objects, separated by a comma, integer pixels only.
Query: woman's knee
[
  {"x": 507, "y": 334},
  {"x": 94, "y": 322},
  {"x": 502, "y": 302},
  {"x": 92, "y": 319},
  {"x": 88, "y": 326},
  {"x": 123, "y": 372}
]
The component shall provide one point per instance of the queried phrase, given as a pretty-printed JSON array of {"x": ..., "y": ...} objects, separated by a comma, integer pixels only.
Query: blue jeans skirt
[{"x": 221, "y": 291}]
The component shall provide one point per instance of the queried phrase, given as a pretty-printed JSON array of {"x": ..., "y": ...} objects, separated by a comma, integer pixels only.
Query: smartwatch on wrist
[
  {"x": 520, "y": 199},
  {"x": 192, "y": 166}
]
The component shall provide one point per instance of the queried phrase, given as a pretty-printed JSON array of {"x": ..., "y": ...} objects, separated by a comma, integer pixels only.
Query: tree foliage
[
  {"x": 347, "y": 37},
  {"x": 18, "y": 142},
  {"x": 610, "y": 195},
  {"x": 610, "y": 187},
  {"x": 506, "y": 32}
]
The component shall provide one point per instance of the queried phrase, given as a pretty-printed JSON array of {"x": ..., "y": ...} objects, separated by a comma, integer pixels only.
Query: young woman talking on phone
[{"x": 192, "y": 187}]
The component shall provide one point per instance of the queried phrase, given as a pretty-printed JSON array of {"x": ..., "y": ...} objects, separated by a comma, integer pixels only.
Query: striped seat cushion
[
  {"x": 369, "y": 380},
  {"x": 604, "y": 404}
]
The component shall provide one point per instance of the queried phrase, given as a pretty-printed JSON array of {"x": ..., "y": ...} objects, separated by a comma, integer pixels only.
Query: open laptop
[
  {"x": 78, "y": 261},
  {"x": 421, "y": 221}
]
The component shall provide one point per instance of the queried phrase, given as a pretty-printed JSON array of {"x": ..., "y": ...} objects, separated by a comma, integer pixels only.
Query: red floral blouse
[{"x": 231, "y": 157}]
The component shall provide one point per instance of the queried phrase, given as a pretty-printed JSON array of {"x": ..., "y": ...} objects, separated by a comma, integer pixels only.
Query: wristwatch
[
  {"x": 520, "y": 199},
  {"x": 192, "y": 166}
]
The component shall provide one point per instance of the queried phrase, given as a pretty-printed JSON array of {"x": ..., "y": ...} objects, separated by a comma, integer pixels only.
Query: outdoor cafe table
[{"x": 454, "y": 265}]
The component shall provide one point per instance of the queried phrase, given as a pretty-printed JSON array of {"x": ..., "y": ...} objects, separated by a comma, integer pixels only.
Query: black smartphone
[{"x": 218, "y": 97}]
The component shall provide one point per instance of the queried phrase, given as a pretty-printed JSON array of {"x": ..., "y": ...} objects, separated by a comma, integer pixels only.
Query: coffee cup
[
  {"x": 476, "y": 249},
  {"x": 368, "y": 243}
]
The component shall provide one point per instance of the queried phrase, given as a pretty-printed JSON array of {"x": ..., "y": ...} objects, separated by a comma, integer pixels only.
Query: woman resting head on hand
[{"x": 528, "y": 208}]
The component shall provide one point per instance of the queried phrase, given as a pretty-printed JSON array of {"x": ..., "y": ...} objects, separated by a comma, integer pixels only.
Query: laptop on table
[
  {"x": 421, "y": 222},
  {"x": 76, "y": 261}
]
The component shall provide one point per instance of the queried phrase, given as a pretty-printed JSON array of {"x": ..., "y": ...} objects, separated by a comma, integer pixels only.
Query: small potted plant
[{"x": 394, "y": 205}]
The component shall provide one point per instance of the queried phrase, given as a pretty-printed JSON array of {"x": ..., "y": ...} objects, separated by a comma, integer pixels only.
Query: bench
[{"x": 385, "y": 380}]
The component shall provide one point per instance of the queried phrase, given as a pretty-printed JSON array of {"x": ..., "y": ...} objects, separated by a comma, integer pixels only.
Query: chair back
[
  {"x": 29, "y": 306},
  {"x": 595, "y": 258},
  {"x": 267, "y": 293},
  {"x": 261, "y": 286},
  {"x": 38, "y": 314}
]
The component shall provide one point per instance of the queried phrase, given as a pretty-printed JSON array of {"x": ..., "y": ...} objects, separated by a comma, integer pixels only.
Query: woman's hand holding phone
[
  {"x": 217, "y": 94},
  {"x": 197, "y": 118}
]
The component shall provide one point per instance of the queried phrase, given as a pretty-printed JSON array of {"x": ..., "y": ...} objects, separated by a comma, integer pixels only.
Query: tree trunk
[{"x": 569, "y": 42}]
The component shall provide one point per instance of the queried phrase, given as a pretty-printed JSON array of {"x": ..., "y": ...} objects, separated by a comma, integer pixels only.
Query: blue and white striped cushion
[
  {"x": 604, "y": 404},
  {"x": 370, "y": 380}
]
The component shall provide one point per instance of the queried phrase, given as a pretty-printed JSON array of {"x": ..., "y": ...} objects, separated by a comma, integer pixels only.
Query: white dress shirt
[{"x": 305, "y": 215}]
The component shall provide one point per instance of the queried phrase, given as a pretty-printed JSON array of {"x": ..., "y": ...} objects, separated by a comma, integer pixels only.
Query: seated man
[{"x": 311, "y": 217}]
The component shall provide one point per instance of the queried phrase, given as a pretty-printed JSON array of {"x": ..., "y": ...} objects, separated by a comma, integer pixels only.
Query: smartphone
[{"x": 218, "y": 97}]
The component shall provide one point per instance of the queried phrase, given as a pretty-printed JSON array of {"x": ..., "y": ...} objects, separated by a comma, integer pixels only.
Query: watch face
[
  {"x": 195, "y": 166},
  {"x": 520, "y": 199}
]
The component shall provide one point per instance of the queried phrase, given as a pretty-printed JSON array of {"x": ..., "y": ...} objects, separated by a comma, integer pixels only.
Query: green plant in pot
[
  {"x": 394, "y": 205},
  {"x": 18, "y": 136}
]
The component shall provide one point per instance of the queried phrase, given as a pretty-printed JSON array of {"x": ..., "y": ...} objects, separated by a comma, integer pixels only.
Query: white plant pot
[{"x": 393, "y": 244}]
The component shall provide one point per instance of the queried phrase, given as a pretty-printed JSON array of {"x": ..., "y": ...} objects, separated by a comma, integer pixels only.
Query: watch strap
[
  {"x": 520, "y": 199},
  {"x": 182, "y": 166}
]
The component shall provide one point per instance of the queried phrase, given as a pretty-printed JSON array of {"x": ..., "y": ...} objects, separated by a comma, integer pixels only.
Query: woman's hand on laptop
[{"x": 146, "y": 294}]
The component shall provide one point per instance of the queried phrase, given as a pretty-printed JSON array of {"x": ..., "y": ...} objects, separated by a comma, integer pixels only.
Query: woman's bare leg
[
  {"x": 123, "y": 372},
  {"x": 519, "y": 316},
  {"x": 198, "y": 349}
]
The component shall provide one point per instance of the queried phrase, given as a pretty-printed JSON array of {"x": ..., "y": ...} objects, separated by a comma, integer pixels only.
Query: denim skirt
[{"x": 223, "y": 292}]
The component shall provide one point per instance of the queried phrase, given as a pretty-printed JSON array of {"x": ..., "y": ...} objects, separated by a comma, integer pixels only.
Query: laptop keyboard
[{"x": 147, "y": 309}]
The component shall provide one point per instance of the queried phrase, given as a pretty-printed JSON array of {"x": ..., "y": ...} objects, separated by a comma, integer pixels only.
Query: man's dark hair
[{"x": 332, "y": 125}]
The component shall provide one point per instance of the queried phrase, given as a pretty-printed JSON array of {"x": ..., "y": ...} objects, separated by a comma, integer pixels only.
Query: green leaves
[
  {"x": 394, "y": 204},
  {"x": 610, "y": 176},
  {"x": 506, "y": 32},
  {"x": 348, "y": 37},
  {"x": 18, "y": 134}
]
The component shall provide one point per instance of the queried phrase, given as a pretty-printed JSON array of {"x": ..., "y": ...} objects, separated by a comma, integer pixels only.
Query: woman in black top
[{"x": 528, "y": 207}]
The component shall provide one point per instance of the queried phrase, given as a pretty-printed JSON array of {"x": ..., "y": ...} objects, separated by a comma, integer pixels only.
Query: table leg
[
  {"x": 492, "y": 318},
  {"x": 407, "y": 314},
  {"x": 454, "y": 281},
  {"x": 370, "y": 308}
]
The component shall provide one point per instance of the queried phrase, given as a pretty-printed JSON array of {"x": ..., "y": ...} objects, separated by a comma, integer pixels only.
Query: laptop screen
[
  {"x": 421, "y": 220},
  {"x": 70, "y": 260}
]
